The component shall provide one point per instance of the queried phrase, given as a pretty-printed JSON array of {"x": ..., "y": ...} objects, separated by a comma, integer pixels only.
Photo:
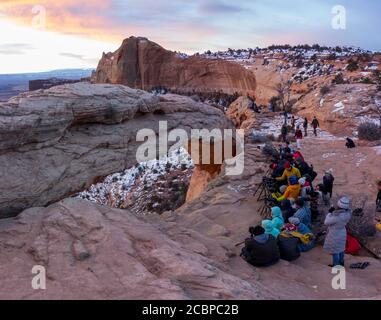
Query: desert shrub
[
  {"x": 369, "y": 131},
  {"x": 366, "y": 80},
  {"x": 324, "y": 90},
  {"x": 352, "y": 65},
  {"x": 338, "y": 79}
]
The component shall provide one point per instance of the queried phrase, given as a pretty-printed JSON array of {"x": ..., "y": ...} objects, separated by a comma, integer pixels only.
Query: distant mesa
[
  {"x": 51, "y": 82},
  {"x": 143, "y": 64}
]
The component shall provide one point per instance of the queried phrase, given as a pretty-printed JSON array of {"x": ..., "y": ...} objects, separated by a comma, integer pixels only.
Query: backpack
[{"x": 353, "y": 245}]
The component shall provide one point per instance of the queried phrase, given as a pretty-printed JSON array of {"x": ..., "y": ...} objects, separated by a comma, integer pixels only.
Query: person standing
[
  {"x": 335, "y": 241},
  {"x": 315, "y": 124},
  {"x": 305, "y": 126},
  {"x": 298, "y": 137},
  {"x": 293, "y": 120},
  {"x": 285, "y": 115},
  {"x": 328, "y": 180},
  {"x": 284, "y": 132}
]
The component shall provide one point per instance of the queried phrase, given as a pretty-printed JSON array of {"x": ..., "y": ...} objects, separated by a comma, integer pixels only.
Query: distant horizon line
[
  {"x": 47, "y": 71},
  {"x": 191, "y": 54}
]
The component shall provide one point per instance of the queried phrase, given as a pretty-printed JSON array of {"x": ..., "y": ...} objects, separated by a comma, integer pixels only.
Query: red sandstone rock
[{"x": 142, "y": 64}]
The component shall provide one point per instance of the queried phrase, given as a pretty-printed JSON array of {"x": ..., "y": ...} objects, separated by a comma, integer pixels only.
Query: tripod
[{"x": 265, "y": 195}]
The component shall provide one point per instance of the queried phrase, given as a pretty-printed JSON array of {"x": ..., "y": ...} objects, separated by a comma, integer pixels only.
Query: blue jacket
[
  {"x": 277, "y": 216},
  {"x": 270, "y": 229},
  {"x": 304, "y": 215}
]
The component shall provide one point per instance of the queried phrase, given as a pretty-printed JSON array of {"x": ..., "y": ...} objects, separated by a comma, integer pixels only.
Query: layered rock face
[
  {"x": 56, "y": 142},
  {"x": 242, "y": 115},
  {"x": 142, "y": 64},
  {"x": 343, "y": 108},
  {"x": 95, "y": 252}
]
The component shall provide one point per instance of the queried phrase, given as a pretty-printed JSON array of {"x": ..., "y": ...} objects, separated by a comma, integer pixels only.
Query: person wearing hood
[
  {"x": 288, "y": 172},
  {"x": 303, "y": 167},
  {"x": 262, "y": 249},
  {"x": 296, "y": 225},
  {"x": 292, "y": 190},
  {"x": 303, "y": 213},
  {"x": 270, "y": 228},
  {"x": 337, "y": 220},
  {"x": 277, "y": 218}
]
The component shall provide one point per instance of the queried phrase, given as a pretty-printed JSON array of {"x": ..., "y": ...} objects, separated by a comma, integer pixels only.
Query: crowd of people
[{"x": 289, "y": 230}]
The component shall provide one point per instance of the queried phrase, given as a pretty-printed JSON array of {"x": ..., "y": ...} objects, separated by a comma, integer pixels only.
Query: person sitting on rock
[
  {"x": 337, "y": 220},
  {"x": 262, "y": 249},
  {"x": 288, "y": 172},
  {"x": 270, "y": 228},
  {"x": 305, "y": 188},
  {"x": 277, "y": 218},
  {"x": 303, "y": 167},
  {"x": 292, "y": 191},
  {"x": 307, "y": 240},
  {"x": 297, "y": 155},
  {"x": 303, "y": 213},
  {"x": 288, "y": 247},
  {"x": 350, "y": 143}
]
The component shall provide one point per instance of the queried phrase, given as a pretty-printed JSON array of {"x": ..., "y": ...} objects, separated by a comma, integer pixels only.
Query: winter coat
[
  {"x": 288, "y": 248},
  {"x": 315, "y": 123},
  {"x": 287, "y": 174},
  {"x": 304, "y": 168},
  {"x": 292, "y": 192},
  {"x": 337, "y": 234},
  {"x": 270, "y": 228},
  {"x": 284, "y": 130},
  {"x": 277, "y": 220},
  {"x": 298, "y": 134},
  {"x": 262, "y": 251},
  {"x": 304, "y": 215},
  {"x": 303, "y": 229},
  {"x": 328, "y": 180}
]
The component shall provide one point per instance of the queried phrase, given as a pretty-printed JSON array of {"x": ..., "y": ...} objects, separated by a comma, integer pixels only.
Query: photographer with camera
[{"x": 261, "y": 249}]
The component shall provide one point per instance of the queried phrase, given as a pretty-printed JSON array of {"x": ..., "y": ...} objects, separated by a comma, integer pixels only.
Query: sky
[{"x": 43, "y": 35}]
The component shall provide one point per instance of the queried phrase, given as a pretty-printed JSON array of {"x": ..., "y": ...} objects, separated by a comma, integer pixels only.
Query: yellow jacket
[
  {"x": 287, "y": 174},
  {"x": 292, "y": 192}
]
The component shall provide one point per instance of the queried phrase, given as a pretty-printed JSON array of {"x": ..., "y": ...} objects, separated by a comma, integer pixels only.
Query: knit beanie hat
[
  {"x": 344, "y": 203},
  {"x": 302, "y": 181}
]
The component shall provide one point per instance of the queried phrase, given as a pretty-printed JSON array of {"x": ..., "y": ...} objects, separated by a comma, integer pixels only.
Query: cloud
[
  {"x": 15, "y": 48},
  {"x": 79, "y": 57},
  {"x": 218, "y": 7}
]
